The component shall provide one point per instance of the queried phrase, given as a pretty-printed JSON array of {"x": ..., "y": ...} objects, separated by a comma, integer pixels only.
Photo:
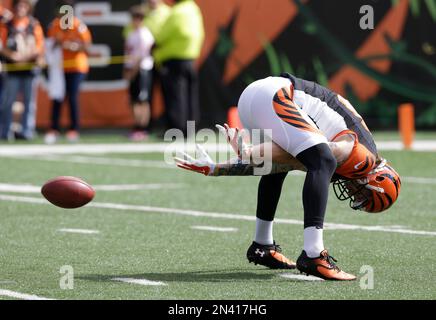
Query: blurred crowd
[{"x": 162, "y": 44}]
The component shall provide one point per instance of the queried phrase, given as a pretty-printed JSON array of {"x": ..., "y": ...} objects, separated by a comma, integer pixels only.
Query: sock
[
  {"x": 313, "y": 241},
  {"x": 264, "y": 232}
]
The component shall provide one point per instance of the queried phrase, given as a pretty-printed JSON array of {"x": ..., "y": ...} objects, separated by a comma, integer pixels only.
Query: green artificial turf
[{"x": 194, "y": 264}]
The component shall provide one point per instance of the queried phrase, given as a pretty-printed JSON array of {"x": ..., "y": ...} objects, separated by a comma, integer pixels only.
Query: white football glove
[
  {"x": 203, "y": 164},
  {"x": 235, "y": 139}
]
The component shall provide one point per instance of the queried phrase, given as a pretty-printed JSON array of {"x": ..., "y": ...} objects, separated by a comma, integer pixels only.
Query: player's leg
[
  {"x": 270, "y": 188},
  {"x": 320, "y": 164},
  {"x": 264, "y": 250}
]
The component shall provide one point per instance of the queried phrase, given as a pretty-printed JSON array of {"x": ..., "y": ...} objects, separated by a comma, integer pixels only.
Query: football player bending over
[{"x": 315, "y": 130}]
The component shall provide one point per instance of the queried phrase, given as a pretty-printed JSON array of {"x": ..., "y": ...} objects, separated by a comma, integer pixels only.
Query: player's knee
[
  {"x": 318, "y": 158},
  {"x": 329, "y": 163}
]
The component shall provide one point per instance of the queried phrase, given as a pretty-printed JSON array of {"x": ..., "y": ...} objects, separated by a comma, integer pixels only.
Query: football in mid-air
[{"x": 68, "y": 192}]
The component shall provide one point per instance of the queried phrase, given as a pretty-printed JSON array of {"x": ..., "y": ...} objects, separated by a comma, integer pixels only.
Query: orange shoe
[
  {"x": 73, "y": 136},
  {"x": 269, "y": 256},
  {"x": 322, "y": 267}
]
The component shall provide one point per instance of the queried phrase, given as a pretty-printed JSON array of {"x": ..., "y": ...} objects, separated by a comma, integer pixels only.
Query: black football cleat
[
  {"x": 269, "y": 256},
  {"x": 323, "y": 267}
]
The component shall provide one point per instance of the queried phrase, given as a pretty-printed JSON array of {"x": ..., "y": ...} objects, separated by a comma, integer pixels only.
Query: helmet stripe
[
  {"x": 391, "y": 202},
  {"x": 393, "y": 180},
  {"x": 371, "y": 209},
  {"x": 381, "y": 201}
]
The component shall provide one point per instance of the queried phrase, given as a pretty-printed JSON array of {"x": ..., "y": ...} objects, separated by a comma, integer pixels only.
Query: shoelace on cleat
[
  {"x": 277, "y": 248},
  {"x": 332, "y": 262}
]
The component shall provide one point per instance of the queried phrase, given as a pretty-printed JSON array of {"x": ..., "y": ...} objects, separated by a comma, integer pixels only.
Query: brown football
[{"x": 68, "y": 192}]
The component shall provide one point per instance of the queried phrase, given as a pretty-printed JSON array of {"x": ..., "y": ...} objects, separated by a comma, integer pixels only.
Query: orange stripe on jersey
[
  {"x": 291, "y": 116},
  {"x": 289, "y": 113}
]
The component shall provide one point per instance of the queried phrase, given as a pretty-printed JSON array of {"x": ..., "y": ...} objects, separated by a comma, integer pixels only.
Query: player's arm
[
  {"x": 241, "y": 169},
  {"x": 258, "y": 153},
  {"x": 205, "y": 165},
  {"x": 268, "y": 157}
]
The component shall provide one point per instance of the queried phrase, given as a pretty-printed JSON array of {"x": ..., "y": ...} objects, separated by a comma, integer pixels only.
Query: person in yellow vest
[{"x": 178, "y": 45}]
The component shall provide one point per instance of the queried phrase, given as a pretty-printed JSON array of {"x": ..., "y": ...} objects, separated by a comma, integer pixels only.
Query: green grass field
[{"x": 148, "y": 242}]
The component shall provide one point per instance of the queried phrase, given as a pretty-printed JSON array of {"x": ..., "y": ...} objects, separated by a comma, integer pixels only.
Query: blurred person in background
[
  {"x": 138, "y": 71},
  {"x": 156, "y": 13},
  {"x": 23, "y": 50},
  {"x": 178, "y": 45},
  {"x": 74, "y": 42},
  {"x": 5, "y": 17}
]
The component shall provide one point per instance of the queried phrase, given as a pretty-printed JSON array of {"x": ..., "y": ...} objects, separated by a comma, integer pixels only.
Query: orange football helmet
[
  {"x": 375, "y": 193},
  {"x": 360, "y": 162}
]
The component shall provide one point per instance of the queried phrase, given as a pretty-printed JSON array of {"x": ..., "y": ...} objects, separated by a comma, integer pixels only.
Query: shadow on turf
[{"x": 194, "y": 276}]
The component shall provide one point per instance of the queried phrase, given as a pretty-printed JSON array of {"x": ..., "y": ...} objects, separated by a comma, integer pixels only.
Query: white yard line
[
  {"x": 99, "y": 161},
  {"x": 80, "y": 231},
  {"x": 22, "y": 188},
  {"x": 27, "y": 188},
  {"x": 217, "y": 215},
  {"x": 418, "y": 145},
  {"x": 300, "y": 277},
  {"x": 25, "y": 150},
  {"x": 217, "y": 229},
  {"x": 142, "y": 282},
  {"x": 418, "y": 180},
  {"x": 21, "y": 296},
  {"x": 138, "y": 187}
]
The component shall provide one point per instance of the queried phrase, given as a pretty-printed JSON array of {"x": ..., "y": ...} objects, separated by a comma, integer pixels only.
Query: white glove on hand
[
  {"x": 235, "y": 139},
  {"x": 203, "y": 164}
]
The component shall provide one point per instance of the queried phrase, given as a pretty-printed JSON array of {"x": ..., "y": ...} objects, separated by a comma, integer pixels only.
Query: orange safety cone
[
  {"x": 233, "y": 118},
  {"x": 406, "y": 124}
]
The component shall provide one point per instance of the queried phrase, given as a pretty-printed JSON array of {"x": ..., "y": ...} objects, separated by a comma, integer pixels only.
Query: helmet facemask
[
  {"x": 353, "y": 190},
  {"x": 374, "y": 193}
]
